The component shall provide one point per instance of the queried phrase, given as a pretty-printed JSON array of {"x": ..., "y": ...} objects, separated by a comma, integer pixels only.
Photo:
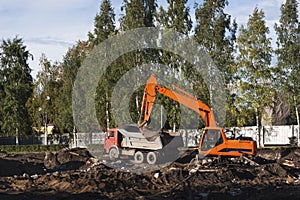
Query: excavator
[{"x": 213, "y": 141}]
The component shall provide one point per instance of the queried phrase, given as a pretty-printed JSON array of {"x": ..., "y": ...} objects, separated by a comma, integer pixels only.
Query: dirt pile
[
  {"x": 66, "y": 159},
  {"x": 76, "y": 174},
  {"x": 14, "y": 165}
]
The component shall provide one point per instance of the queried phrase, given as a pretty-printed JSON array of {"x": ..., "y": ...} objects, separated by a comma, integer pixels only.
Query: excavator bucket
[{"x": 150, "y": 135}]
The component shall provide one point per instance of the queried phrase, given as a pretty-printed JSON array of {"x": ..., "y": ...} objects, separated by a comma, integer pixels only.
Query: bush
[{"x": 31, "y": 148}]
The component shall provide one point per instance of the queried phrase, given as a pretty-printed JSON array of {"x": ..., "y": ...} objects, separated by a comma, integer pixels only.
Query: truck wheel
[
  {"x": 138, "y": 157},
  {"x": 151, "y": 158},
  {"x": 113, "y": 153}
]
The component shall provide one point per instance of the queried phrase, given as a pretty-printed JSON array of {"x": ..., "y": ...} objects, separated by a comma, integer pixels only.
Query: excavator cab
[
  {"x": 210, "y": 139},
  {"x": 214, "y": 142}
]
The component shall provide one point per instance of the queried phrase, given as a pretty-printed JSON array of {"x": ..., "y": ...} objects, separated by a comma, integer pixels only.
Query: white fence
[
  {"x": 270, "y": 135},
  {"x": 266, "y": 136},
  {"x": 85, "y": 139}
]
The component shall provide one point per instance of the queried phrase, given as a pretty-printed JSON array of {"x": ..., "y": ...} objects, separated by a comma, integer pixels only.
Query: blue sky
[{"x": 52, "y": 26}]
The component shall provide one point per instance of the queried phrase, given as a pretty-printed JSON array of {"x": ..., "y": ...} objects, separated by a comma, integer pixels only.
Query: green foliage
[
  {"x": 31, "y": 148},
  {"x": 288, "y": 57},
  {"x": 246, "y": 80},
  {"x": 176, "y": 17},
  {"x": 104, "y": 24},
  {"x": 43, "y": 102},
  {"x": 216, "y": 32},
  {"x": 16, "y": 87},
  {"x": 70, "y": 66},
  {"x": 138, "y": 13},
  {"x": 254, "y": 72}
]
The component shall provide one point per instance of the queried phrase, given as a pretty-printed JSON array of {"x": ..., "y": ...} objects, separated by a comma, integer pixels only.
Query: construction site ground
[{"x": 76, "y": 174}]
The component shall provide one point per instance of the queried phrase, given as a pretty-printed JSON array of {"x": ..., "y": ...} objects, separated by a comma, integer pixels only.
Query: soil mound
[{"x": 74, "y": 173}]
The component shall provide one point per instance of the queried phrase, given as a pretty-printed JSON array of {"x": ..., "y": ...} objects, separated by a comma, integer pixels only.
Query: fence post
[
  {"x": 298, "y": 135},
  {"x": 263, "y": 135},
  {"x": 186, "y": 138},
  {"x": 259, "y": 138}
]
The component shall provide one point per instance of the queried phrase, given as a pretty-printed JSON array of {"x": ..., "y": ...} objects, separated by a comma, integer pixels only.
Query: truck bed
[{"x": 138, "y": 141}]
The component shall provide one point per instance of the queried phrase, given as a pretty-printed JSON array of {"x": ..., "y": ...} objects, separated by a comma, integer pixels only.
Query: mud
[{"x": 76, "y": 174}]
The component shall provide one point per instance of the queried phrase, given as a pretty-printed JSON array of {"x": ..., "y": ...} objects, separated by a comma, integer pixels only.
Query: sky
[{"x": 50, "y": 27}]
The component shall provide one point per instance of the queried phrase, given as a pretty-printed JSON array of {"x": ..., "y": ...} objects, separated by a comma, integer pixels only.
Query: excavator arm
[{"x": 178, "y": 95}]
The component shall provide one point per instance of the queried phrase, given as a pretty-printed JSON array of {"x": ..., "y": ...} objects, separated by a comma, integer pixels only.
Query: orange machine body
[{"x": 213, "y": 140}]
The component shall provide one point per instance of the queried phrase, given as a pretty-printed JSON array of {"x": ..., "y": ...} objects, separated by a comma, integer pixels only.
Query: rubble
[{"x": 76, "y": 174}]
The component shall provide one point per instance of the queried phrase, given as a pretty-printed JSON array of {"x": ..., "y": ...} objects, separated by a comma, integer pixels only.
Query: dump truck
[{"x": 129, "y": 141}]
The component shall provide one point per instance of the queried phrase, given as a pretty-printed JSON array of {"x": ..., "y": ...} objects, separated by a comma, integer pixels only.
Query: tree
[
  {"x": 104, "y": 23},
  {"x": 138, "y": 13},
  {"x": 16, "y": 84},
  {"x": 69, "y": 68},
  {"x": 288, "y": 53},
  {"x": 175, "y": 18},
  {"x": 104, "y": 27},
  {"x": 43, "y": 102},
  {"x": 254, "y": 59},
  {"x": 216, "y": 32}
]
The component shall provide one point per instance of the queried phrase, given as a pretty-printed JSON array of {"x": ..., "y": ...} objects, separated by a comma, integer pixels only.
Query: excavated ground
[{"x": 76, "y": 174}]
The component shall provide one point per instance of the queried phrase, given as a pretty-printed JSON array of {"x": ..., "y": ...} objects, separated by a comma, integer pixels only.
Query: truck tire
[
  {"x": 138, "y": 157},
  {"x": 113, "y": 153},
  {"x": 152, "y": 157}
]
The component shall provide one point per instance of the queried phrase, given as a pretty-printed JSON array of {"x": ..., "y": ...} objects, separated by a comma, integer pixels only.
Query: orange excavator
[{"x": 213, "y": 141}]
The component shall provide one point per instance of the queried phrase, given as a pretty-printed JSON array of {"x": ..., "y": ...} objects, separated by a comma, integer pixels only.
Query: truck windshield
[
  {"x": 211, "y": 138},
  {"x": 110, "y": 134}
]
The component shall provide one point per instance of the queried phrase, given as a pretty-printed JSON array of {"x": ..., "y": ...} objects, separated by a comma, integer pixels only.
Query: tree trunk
[
  {"x": 258, "y": 128},
  {"x": 107, "y": 113},
  {"x": 137, "y": 106},
  {"x": 210, "y": 91},
  {"x": 297, "y": 117},
  {"x": 17, "y": 136},
  {"x": 161, "y": 116},
  {"x": 107, "y": 116},
  {"x": 174, "y": 124}
]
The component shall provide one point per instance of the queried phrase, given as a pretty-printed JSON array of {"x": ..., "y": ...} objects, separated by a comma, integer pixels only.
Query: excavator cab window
[{"x": 211, "y": 139}]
